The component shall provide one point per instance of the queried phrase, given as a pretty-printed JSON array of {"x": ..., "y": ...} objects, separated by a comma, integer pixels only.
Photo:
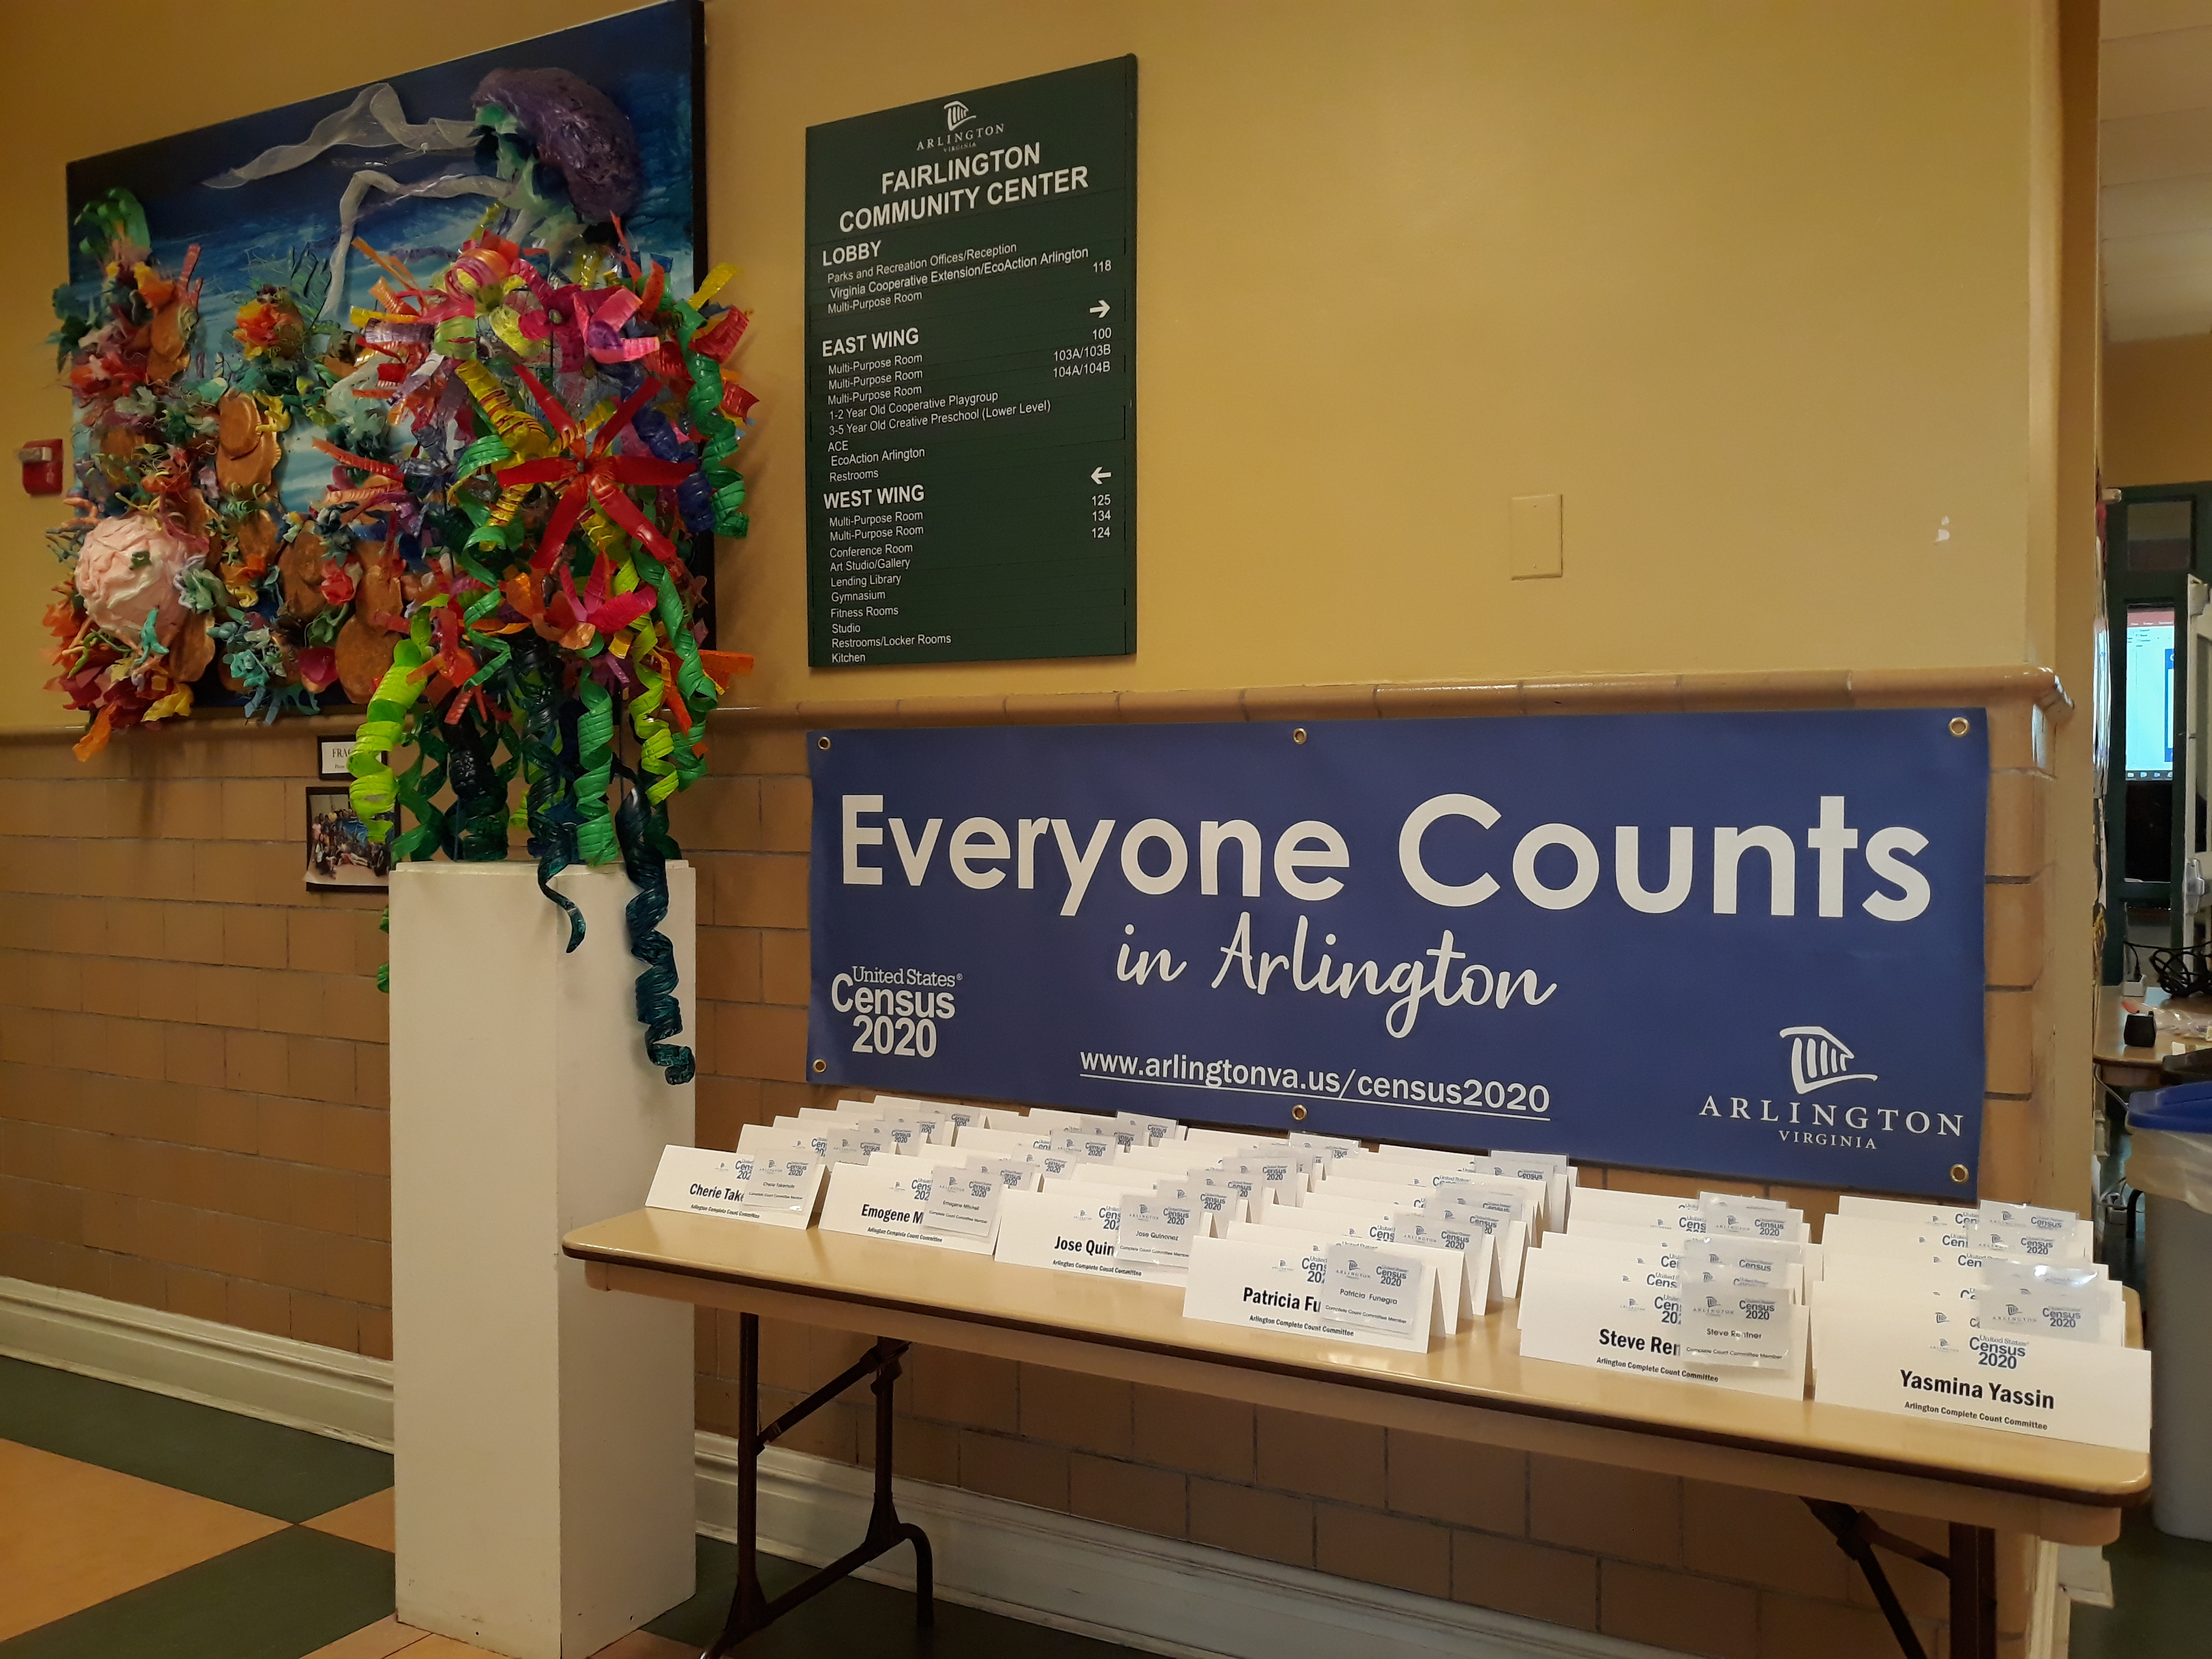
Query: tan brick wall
[
  {"x": 192, "y": 1057},
  {"x": 193, "y": 1083}
]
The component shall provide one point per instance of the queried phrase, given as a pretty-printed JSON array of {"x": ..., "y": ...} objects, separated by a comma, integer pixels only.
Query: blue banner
[{"x": 1742, "y": 944}]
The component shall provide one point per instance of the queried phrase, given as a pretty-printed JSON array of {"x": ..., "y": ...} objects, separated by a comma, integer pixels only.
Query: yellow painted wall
[
  {"x": 1756, "y": 287},
  {"x": 2158, "y": 412}
]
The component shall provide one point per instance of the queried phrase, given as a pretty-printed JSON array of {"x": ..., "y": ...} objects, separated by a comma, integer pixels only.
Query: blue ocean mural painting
[{"x": 258, "y": 311}]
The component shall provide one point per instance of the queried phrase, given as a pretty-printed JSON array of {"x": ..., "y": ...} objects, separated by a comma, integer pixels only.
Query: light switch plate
[{"x": 1535, "y": 542}]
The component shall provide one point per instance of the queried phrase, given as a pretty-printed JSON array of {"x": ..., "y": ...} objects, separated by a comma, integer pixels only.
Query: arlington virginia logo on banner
[{"x": 1742, "y": 944}]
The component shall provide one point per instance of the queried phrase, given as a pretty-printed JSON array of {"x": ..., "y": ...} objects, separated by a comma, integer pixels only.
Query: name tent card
[
  {"x": 888, "y": 1197},
  {"x": 964, "y": 1200},
  {"x": 772, "y": 1185},
  {"x": 1251, "y": 1279},
  {"x": 1579, "y": 1315},
  {"x": 1922, "y": 1363},
  {"x": 1373, "y": 1288},
  {"x": 1078, "y": 1230},
  {"x": 1158, "y": 1226}
]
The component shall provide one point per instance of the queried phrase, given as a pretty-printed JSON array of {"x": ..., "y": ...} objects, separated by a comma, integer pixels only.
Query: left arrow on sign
[{"x": 1099, "y": 475}]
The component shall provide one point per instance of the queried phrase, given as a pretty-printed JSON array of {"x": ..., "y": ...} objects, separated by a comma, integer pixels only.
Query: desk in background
[{"x": 2122, "y": 1065}]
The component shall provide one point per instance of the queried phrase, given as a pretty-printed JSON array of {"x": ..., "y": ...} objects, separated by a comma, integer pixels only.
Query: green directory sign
[{"x": 971, "y": 402}]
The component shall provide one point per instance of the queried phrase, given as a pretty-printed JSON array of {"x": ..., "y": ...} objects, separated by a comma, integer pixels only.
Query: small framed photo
[
  {"x": 332, "y": 755},
  {"x": 339, "y": 851}
]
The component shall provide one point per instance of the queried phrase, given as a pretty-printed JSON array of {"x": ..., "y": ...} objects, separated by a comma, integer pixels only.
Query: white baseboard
[
  {"x": 1159, "y": 1594},
  {"x": 276, "y": 1378}
]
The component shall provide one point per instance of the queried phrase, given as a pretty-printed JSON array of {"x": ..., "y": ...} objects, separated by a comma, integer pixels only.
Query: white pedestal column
[{"x": 543, "y": 1430}]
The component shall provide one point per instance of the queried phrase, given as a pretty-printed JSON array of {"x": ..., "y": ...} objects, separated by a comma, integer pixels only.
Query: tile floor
[
  {"x": 2161, "y": 1593},
  {"x": 133, "y": 1526}
]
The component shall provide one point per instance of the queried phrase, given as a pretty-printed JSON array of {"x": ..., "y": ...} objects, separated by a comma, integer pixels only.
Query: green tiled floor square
[
  {"x": 855, "y": 1620},
  {"x": 263, "y": 1467},
  {"x": 2161, "y": 1589},
  {"x": 278, "y": 1597}
]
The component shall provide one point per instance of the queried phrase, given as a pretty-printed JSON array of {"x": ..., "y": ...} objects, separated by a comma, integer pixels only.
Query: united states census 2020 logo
[{"x": 1817, "y": 1062}]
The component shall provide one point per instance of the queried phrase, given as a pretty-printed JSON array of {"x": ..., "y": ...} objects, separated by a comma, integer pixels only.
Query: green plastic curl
[
  {"x": 417, "y": 788},
  {"x": 595, "y": 759},
  {"x": 490, "y": 450},
  {"x": 717, "y": 433},
  {"x": 655, "y": 741},
  {"x": 475, "y": 829},
  {"x": 697, "y": 688},
  {"x": 549, "y": 805},
  {"x": 383, "y": 726},
  {"x": 646, "y": 848}
]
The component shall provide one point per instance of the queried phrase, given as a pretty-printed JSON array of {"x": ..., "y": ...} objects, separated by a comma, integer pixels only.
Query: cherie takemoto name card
[{"x": 776, "y": 1185}]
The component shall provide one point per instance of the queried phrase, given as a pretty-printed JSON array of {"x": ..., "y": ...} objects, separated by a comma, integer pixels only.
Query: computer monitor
[{"x": 2149, "y": 667}]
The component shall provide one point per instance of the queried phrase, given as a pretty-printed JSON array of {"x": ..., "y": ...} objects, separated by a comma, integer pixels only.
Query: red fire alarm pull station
[{"x": 42, "y": 466}]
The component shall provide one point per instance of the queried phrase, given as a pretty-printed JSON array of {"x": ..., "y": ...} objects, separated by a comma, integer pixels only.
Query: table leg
[
  {"x": 1973, "y": 1592},
  {"x": 886, "y": 1530},
  {"x": 1971, "y": 1567},
  {"x": 748, "y": 1606},
  {"x": 1856, "y": 1536},
  {"x": 749, "y": 1610}
]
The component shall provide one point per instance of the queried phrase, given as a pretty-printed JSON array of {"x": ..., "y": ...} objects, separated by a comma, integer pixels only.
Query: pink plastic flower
[{"x": 127, "y": 570}]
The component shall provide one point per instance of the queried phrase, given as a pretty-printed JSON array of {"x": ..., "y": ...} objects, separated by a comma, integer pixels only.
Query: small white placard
[
  {"x": 778, "y": 1187},
  {"x": 1374, "y": 1287},
  {"x": 761, "y": 1137},
  {"x": 1508, "y": 1235},
  {"x": 964, "y": 1198},
  {"x": 332, "y": 755},
  {"x": 1250, "y": 1279},
  {"x": 943, "y": 1117},
  {"x": 1076, "y": 1229},
  {"x": 1087, "y": 1145},
  {"x": 888, "y": 1198},
  {"x": 1920, "y": 1362},
  {"x": 1151, "y": 1131},
  {"x": 1315, "y": 1230},
  {"x": 1473, "y": 1245},
  {"x": 1580, "y": 1318},
  {"x": 1158, "y": 1226}
]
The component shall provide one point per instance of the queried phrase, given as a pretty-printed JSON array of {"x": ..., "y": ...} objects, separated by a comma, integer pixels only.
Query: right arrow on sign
[
  {"x": 1100, "y": 309},
  {"x": 1099, "y": 475}
]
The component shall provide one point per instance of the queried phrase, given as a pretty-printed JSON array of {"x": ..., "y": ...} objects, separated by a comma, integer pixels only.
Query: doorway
[{"x": 2157, "y": 799}]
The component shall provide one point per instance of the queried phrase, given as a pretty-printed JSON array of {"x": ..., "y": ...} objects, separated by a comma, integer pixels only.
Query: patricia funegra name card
[{"x": 1275, "y": 1279}]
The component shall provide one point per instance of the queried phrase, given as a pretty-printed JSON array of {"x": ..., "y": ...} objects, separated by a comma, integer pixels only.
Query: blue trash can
[{"x": 2170, "y": 1161}]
